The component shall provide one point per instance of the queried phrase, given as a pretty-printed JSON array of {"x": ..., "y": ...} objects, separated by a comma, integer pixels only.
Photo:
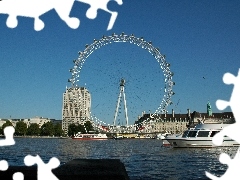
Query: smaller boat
[
  {"x": 118, "y": 137},
  {"x": 80, "y": 136},
  {"x": 163, "y": 138}
]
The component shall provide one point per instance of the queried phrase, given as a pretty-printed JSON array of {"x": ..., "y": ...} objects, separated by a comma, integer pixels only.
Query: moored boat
[
  {"x": 163, "y": 138},
  {"x": 80, "y": 136},
  {"x": 200, "y": 136},
  {"x": 118, "y": 137}
]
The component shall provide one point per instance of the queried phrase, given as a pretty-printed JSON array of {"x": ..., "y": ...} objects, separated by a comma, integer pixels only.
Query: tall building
[{"x": 76, "y": 107}]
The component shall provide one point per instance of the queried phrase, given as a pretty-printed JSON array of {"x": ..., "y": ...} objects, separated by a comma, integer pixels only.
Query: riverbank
[{"x": 47, "y": 137}]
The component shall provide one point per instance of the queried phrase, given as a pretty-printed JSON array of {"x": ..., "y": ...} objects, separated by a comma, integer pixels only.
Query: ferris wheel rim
[{"x": 123, "y": 38}]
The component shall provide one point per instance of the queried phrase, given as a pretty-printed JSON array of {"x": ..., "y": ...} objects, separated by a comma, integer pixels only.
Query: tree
[
  {"x": 58, "y": 130},
  {"x": 74, "y": 129},
  {"x": 21, "y": 128},
  {"x": 47, "y": 129},
  {"x": 7, "y": 123},
  {"x": 88, "y": 125},
  {"x": 1, "y": 131},
  {"x": 33, "y": 130},
  {"x": 80, "y": 128}
]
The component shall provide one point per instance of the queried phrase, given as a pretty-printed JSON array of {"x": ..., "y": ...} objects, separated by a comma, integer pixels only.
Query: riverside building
[
  {"x": 177, "y": 123},
  {"x": 76, "y": 107},
  {"x": 35, "y": 120}
]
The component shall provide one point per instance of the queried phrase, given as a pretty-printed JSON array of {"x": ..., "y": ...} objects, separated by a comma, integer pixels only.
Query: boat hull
[
  {"x": 201, "y": 143},
  {"x": 201, "y": 136},
  {"x": 80, "y": 136},
  {"x": 76, "y": 138},
  {"x": 165, "y": 143}
]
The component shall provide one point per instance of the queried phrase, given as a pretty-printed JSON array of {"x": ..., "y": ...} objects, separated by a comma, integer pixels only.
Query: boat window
[
  {"x": 213, "y": 133},
  {"x": 192, "y": 133},
  {"x": 203, "y": 133},
  {"x": 185, "y": 134}
]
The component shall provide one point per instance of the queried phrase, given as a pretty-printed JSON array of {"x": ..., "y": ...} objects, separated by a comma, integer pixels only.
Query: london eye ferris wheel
[{"x": 148, "y": 84}]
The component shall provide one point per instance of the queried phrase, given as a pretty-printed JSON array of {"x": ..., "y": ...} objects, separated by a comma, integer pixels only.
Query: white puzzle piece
[
  {"x": 8, "y": 132},
  {"x": 3, "y": 165},
  {"x": 35, "y": 8},
  {"x": 231, "y": 131},
  {"x": 101, "y": 4},
  {"x": 44, "y": 170}
]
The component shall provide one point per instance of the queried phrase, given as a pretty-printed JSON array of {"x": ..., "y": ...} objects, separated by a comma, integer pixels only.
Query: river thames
[{"x": 144, "y": 159}]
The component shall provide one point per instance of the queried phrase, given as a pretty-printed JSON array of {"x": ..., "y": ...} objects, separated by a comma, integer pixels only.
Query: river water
[{"x": 144, "y": 159}]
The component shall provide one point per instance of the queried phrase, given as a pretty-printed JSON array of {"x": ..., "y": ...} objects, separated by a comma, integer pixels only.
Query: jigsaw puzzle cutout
[
  {"x": 3, "y": 165},
  {"x": 8, "y": 132},
  {"x": 36, "y": 8},
  {"x": 44, "y": 171},
  {"x": 9, "y": 141},
  {"x": 18, "y": 176},
  {"x": 101, "y": 4},
  {"x": 231, "y": 131}
]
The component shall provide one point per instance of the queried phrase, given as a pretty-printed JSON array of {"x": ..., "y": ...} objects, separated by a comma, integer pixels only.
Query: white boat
[
  {"x": 118, "y": 137},
  {"x": 200, "y": 136},
  {"x": 99, "y": 136},
  {"x": 163, "y": 138}
]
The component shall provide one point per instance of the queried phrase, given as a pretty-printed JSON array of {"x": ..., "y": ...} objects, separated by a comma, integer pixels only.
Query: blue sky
[{"x": 201, "y": 41}]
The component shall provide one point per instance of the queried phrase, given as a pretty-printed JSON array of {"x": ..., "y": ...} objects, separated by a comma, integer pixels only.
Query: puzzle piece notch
[
  {"x": 221, "y": 104},
  {"x": 229, "y": 78},
  {"x": 231, "y": 131},
  {"x": 233, "y": 167},
  {"x": 36, "y": 8},
  {"x": 8, "y": 132},
  {"x": 101, "y": 4},
  {"x": 3, "y": 165},
  {"x": 44, "y": 170},
  {"x": 18, "y": 176}
]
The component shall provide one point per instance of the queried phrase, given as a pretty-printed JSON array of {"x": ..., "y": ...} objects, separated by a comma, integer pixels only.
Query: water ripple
[{"x": 143, "y": 159}]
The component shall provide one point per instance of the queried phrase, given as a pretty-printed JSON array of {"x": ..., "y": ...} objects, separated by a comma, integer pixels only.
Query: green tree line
[
  {"x": 75, "y": 128},
  {"x": 47, "y": 129}
]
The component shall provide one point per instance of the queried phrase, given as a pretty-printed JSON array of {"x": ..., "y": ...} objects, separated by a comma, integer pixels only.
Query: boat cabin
[{"x": 199, "y": 133}]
